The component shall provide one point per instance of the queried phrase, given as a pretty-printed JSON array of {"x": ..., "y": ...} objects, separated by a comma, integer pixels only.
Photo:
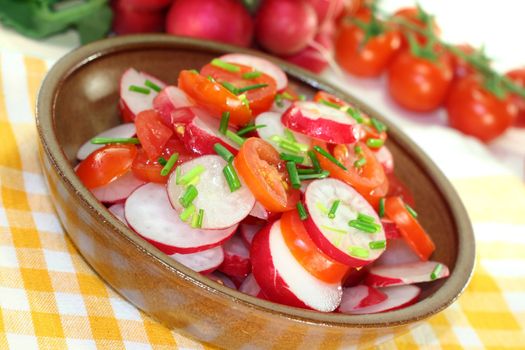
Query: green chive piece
[
  {"x": 223, "y": 152},
  {"x": 381, "y": 210},
  {"x": 378, "y": 125},
  {"x": 291, "y": 157},
  {"x": 187, "y": 213},
  {"x": 251, "y": 75},
  {"x": 322, "y": 208},
  {"x": 294, "y": 176},
  {"x": 360, "y": 162},
  {"x": 358, "y": 252},
  {"x": 250, "y": 128},
  {"x": 437, "y": 270},
  {"x": 194, "y": 181},
  {"x": 365, "y": 218},
  {"x": 194, "y": 71},
  {"x": 231, "y": 177},
  {"x": 169, "y": 164},
  {"x": 375, "y": 143},
  {"x": 302, "y": 97},
  {"x": 333, "y": 209},
  {"x": 244, "y": 100},
  {"x": 329, "y": 157},
  {"x": 315, "y": 161},
  {"x": 377, "y": 244},
  {"x": 289, "y": 135},
  {"x": 178, "y": 175},
  {"x": 235, "y": 138},
  {"x": 322, "y": 175},
  {"x": 358, "y": 150},
  {"x": 162, "y": 161},
  {"x": 210, "y": 78},
  {"x": 200, "y": 218},
  {"x": 292, "y": 146},
  {"x": 411, "y": 210},
  {"x": 185, "y": 179},
  {"x": 139, "y": 89},
  {"x": 230, "y": 87},
  {"x": 306, "y": 171},
  {"x": 303, "y": 215},
  {"x": 106, "y": 140},
  {"x": 363, "y": 226},
  {"x": 225, "y": 119},
  {"x": 334, "y": 229},
  {"x": 356, "y": 114},
  {"x": 225, "y": 65},
  {"x": 189, "y": 195},
  {"x": 250, "y": 87},
  {"x": 287, "y": 96},
  {"x": 152, "y": 85},
  {"x": 279, "y": 100},
  {"x": 195, "y": 221},
  {"x": 330, "y": 104},
  {"x": 289, "y": 147}
]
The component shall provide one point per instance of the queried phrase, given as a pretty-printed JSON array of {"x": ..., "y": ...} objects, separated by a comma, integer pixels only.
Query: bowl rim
[{"x": 68, "y": 64}]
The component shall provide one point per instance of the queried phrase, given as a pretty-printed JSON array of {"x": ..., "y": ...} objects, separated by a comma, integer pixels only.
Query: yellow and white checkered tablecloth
[{"x": 51, "y": 299}]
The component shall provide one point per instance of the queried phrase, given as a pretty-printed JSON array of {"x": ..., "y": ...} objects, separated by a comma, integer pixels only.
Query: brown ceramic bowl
[{"x": 78, "y": 99}]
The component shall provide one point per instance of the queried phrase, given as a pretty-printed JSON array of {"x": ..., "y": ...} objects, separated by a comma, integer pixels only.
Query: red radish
[
  {"x": 220, "y": 20},
  {"x": 170, "y": 99},
  {"x": 118, "y": 189},
  {"x": 321, "y": 122},
  {"x": 334, "y": 236},
  {"x": 117, "y": 210},
  {"x": 222, "y": 208},
  {"x": 132, "y": 103},
  {"x": 316, "y": 56},
  {"x": 149, "y": 213},
  {"x": 285, "y": 27},
  {"x": 248, "y": 232},
  {"x": 260, "y": 212},
  {"x": 249, "y": 286},
  {"x": 259, "y": 64},
  {"x": 236, "y": 258},
  {"x": 398, "y": 252},
  {"x": 384, "y": 156},
  {"x": 360, "y": 296},
  {"x": 120, "y": 131},
  {"x": 354, "y": 277},
  {"x": 283, "y": 279},
  {"x": 327, "y": 10},
  {"x": 221, "y": 278},
  {"x": 416, "y": 272},
  {"x": 129, "y": 20},
  {"x": 391, "y": 231},
  {"x": 204, "y": 261},
  {"x": 396, "y": 298},
  {"x": 147, "y": 5}
]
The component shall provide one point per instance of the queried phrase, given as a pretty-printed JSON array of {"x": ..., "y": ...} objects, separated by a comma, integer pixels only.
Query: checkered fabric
[{"x": 51, "y": 299}]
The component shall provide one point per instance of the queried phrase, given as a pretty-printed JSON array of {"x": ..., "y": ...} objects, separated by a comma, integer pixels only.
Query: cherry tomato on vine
[
  {"x": 518, "y": 76},
  {"x": 418, "y": 17}
]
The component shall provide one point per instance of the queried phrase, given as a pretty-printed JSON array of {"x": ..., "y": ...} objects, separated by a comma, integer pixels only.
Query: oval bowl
[{"x": 78, "y": 99}]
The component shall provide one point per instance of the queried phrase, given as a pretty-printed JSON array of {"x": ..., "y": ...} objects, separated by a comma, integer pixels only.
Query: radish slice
[
  {"x": 202, "y": 133},
  {"x": 222, "y": 208},
  {"x": 396, "y": 298},
  {"x": 261, "y": 65},
  {"x": 132, "y": 103},
  {"x": 121, "y": 131},
  {"x": 259, "y": 211},
  {"x": 204, "y": 261},
  {"x": 393, "y": 275},
  {"x": 360, "y": 296},
  {"x": 251, "y": 287},
  {"x": 321, "y": 122},
  {"x": 169, "y": 100},
  {"x": 385, "y": 158},
  {"x": 118, "y": 211},
  {"x": 398, "y": 252},
  {"x": 222, "y": 279},
  {"x": 391, "y": 230},
  {"x": 248, "y": 232},
  {"x": 355, "y": 277},
  {"x": 236, "y": 258},
  {"x": 346, "y": 244},
  {"x": 118, "y": 189},
  {"x": 149, "y": 213},
  {"x": 283, "y": 279}
]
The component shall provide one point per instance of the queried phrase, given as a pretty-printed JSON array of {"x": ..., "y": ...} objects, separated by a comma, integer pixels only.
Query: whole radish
[
  {"x": 327, "y": 10},
  {"x": 315, "y": 57},
  {"x": 285, "y": 27},
  {"x": 220, "y": 20}
]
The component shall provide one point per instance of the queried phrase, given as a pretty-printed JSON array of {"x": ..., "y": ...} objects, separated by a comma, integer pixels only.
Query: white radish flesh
[
  {"x": 126, "y": 130},
  {"x": 259, "y": 211},
  {"x": 221, "y": 278},
  {"x": 386, "y": 159},
  {"x": 118, "y": 189},
  {"x": 360, "y": 296},
  {"x": 169, "y": 100},
  {"x": 249, "y": 286},
  {"x": 416, "y": 272},
  {"x": 236, "y": 258},
  {"x": 117, "y": 210},
  {"x": 131, "y": 102},
  {"x": 204, "y": 261},
  {"x": 396, "y": 298},
  {"x": 398, "y": 252},
  {"x": 248, "y": 232}
]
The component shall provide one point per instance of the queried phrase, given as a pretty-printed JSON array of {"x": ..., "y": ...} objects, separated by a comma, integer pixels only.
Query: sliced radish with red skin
[
  {"x": 355, "y": 277},
  {"x": 391, "y": 230},
  {"x": 249, "y": 286},
  {"x": 260, "y": 212},
  {"x": 397, "y": 253},
  {"x": 416, "y": 272},
  {"x": 150, "y": 214},
  {"x": 283, "y": 279},
  {"x": 205, "y": 261},
  {"x": 126, "y": 130},
  {"x": 385, "y": 157},
  {"x": 396, "y": 298},
  {"x": 236, "y": 258},
  {"x": 118, "y": 189},
  {"x": 222, "y": 208},
  {"x": 169, "y": 100},
  {"x": 132, "y": 103},
  {"x": 321, "y": 122},
  {"x": 117, "y": 210},
  {"x": 248, "y": 232},
  {"x": 259, "y": 64},
  {"x": 334, "y": 236},
  {"x": 221, "y": 278},
  {"x": 360, "y": 296}
]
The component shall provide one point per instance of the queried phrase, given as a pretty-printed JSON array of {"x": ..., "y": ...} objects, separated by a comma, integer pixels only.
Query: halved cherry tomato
[
  {"x": 409, "y": 227},
  {"x": 325, "y": 96},
  {"x": 152, "y": 133},
  {"x": 106, "y": 164},
  {"x": 306, "y": 251},
  {"x": 258, "y": 163},
  {"x": 214, "y": 97},
  {"x": 260, "y": 99}
]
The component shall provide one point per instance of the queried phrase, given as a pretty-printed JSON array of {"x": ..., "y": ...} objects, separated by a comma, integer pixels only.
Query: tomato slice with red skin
[
  {"x": 213, "y": 97},
  {"x": 260, "y": 99},
  {"x": 306, "y": 251},
  {"x": 321, "y": 96},
  {"x": 152, "y": 133},
  {"x": 106, "y": 164},
  {"x": 410, "y": 229},
  {"x": 262, "y": 170}
]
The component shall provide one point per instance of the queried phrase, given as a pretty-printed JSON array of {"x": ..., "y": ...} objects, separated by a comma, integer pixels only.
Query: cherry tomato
[
  {"x": 325, "y": 96},
  {"x": 214, "y": 97},
  {"x": 106, "y": 164},
  {"x": 419, "y": 18},
  {"x": 475, "y": 111},
  {"x": 260, "y": 99},
  {"x": 152, "y": 132},
  {"x": 399, "y": 189},
  {"x": 518, "y": 76},
  {"x": 419, "y": 84},
  {"x": 258, "y": 163},
  {"x": 460, "y": 67},
  {"x": 409, "y": 227}
]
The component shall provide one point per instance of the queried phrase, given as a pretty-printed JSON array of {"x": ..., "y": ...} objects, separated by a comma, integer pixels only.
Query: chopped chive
[
  {"x": 210, "y": 78},
  {"x": 178, "y": 175},
  {"x": 194, "y": 181},
  {"x": 360, "y": 162},
  {"x": 139, "y": 89},
  {"x": 289, "y": 135},
  {"x": 162, "y": 161},
  {"x": 251, "y": 75},
  {"x": 322, "y": 175},
  {"x": 333, "y": 209},
  {"x": 375, "y": 143},
  {"x": 322, "y": 208},
  {"x": 190, "y": 175},
  {"x": 329, "y": 157},
  {"x": 334, "y": 229},
  {"x": 152, "y": 85},
  {"x": 200, "y": 218},
  {"x": 250, "y": 128},
  {"x": 301, "y": 97},
  {"x": 194, "y": 71},
  {"x": 358, "y": 150},
  {"x": 365, "y": 218},
  {"x": 291, "y": 157},
  {"x": 289, "y": 147},
  {"x": 189, "y": 195},
  {"x": 358, "y": 252},
  {"x": 105, "y": 140},
  {"x": 223, "y": 152},
  {"x": 169, "y": 164},
  {"x": 225, "y": 65},
  {"x": 315, "y": 161},
  {"x": 356, "y": 114},
  {"x": 230, "y": 87},
  {"x": 231, "y": 177},
  {"x": 377, "y": 244},
  {"x": 234, "y": 137},
  {"x": 381, "y": 210},
  {"x": 244, "y": 100},
  {"x": 364, "y": 226},
  {"x": 287, "y": 96},
  {"x": 411, "y": 210},
  {"x": 293, "y": 145},
  {"x": 225, "y": 119},
  {"x": 437, "y": 270},
  {"x": 378, "y": 125},
  {"x": 303, "y": 215},
  {"x": 195, "y": 221},
  {"x": 187, "y": 213},
  {"x": 306, "y": 171},
  {"x": 278, "y": 99},
  {"x": 329, "y": 104},
  {"x": 294, "y": 176},
  {"x": 250, "y": 87}
]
